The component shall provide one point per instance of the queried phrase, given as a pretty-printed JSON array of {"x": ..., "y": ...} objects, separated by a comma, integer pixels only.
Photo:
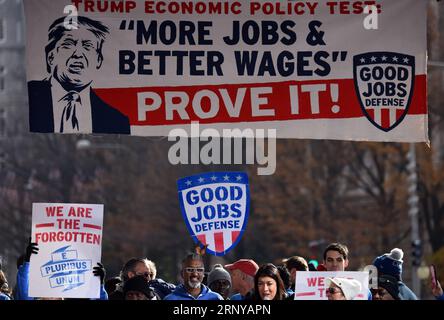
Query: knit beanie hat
[
  {"x": 139, "y": 284},
  {"x": 218, "y": 273},
  {"x": 390, "y": 284},
  {"x": 390, "y": 263}
]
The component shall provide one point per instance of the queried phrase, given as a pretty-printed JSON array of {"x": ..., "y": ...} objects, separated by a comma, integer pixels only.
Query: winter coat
[{"x": 180, "y": 293}]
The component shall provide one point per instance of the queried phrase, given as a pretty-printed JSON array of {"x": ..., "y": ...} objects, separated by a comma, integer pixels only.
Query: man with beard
[
  {"x": 65, "y": 101},
  {"x": 192, "y": 288}
]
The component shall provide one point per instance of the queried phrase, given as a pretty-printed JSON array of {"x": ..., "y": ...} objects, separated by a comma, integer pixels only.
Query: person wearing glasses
[
  {"x": 133, "y": 267},
  {"x": 192, "y": 287},
  {"x": 342, "y": 289}
]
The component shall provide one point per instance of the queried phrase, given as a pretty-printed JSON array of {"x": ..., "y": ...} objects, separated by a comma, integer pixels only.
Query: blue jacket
[
  {"x": 22, "y": 285},
  {"x": 4, "y": 296},
  {"x": 180, "y": 293},
  {"x": 237, "y": 297},
  {"x": 441, "y": 297},
  {"x": 161, "y": 288},
  {"x": 405, "y": 293}
]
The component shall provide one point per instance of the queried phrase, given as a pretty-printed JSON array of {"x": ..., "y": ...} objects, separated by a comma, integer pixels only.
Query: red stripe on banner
[
  {"x": 202, "y": 239},
  {"x": 92, "y": 226},
  {"x": 219, "y": 241},
  {"x": 44, "y": 225},
  {"x": 234, "y": 235},
  {"x": 280, "y": 101},
  {"x": 385, "y": 118},
  {"x": 305, "y": 294}
]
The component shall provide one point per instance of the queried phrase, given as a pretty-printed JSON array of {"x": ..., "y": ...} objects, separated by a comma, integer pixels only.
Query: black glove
[
  {"x": 30, "y": 249},
  {"x": 100, "y": 271}
]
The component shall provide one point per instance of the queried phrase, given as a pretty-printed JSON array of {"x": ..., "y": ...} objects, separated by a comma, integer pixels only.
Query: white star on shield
[
  {"x": 213, "y": 178},
  {"x": 384, "y": 58},
  {"x": 188, "y": 183},
  {"x": 239, "y": 178},
  {"x": 373, "y": 59},
  {"x": 226, "y": 178},
  {"x": 201, "y": 180}
]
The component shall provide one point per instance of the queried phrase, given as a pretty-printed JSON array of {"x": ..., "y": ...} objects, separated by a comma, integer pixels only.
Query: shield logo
[
  {"x": 384, "y": 83},
  {"x": 215, "y": 207}
]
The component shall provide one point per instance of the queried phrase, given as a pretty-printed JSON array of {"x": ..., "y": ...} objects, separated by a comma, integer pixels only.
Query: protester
[
  {"x": 147, "y": 269},
  {"x": 285, "y": 276},
  {"x": 342, "y": 289},
  {"x": 391, "y": 264},
  {"x": 137, "y": 288},
  {"x": 295, "y": 264},
  {"x": 192, "y": 287},
  {"x": 388, "y": 289},
  {"x": 22, "y": 283},
  {"x": 242, "y": 274},
  {"x": 219, "y": 280},
  {"x": 268, "y": 284},
  {"x": 336, "y": 257}
]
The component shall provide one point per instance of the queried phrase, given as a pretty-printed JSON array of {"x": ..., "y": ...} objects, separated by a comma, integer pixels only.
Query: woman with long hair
[{"x": 268, "y": 284}]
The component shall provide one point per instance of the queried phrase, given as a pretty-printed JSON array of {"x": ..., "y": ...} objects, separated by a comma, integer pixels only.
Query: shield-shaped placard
[
  {"x": 384, "y": 83},
  {"x": 215, "y": 208}
]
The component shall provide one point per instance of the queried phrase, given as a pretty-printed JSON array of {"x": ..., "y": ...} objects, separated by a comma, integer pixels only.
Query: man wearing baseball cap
[{"x": 242, "y": 277}]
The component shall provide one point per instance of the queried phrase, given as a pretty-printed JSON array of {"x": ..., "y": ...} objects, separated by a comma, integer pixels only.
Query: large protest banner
[
  {"x": 312, "y": 285},
  {"x": 69, "y": 237},
  {"x": 309, "y": 69},
  {"x": 215, "y": 207}
]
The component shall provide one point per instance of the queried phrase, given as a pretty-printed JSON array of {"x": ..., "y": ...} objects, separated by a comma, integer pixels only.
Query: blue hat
[{"x": 390, "y": 263}]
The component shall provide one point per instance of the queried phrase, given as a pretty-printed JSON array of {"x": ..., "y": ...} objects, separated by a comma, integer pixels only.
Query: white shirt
[{"x": 83, "y": 110}]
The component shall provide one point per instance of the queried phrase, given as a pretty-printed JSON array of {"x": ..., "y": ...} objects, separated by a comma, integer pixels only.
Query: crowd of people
[{"x": 241, "y": 280}]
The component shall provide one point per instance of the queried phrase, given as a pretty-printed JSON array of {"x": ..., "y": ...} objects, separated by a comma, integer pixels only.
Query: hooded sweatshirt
[{"x": 180, "y": 293}]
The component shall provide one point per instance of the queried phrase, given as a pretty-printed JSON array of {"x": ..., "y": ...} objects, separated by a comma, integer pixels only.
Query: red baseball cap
[{"x": 247, "y": 266}]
